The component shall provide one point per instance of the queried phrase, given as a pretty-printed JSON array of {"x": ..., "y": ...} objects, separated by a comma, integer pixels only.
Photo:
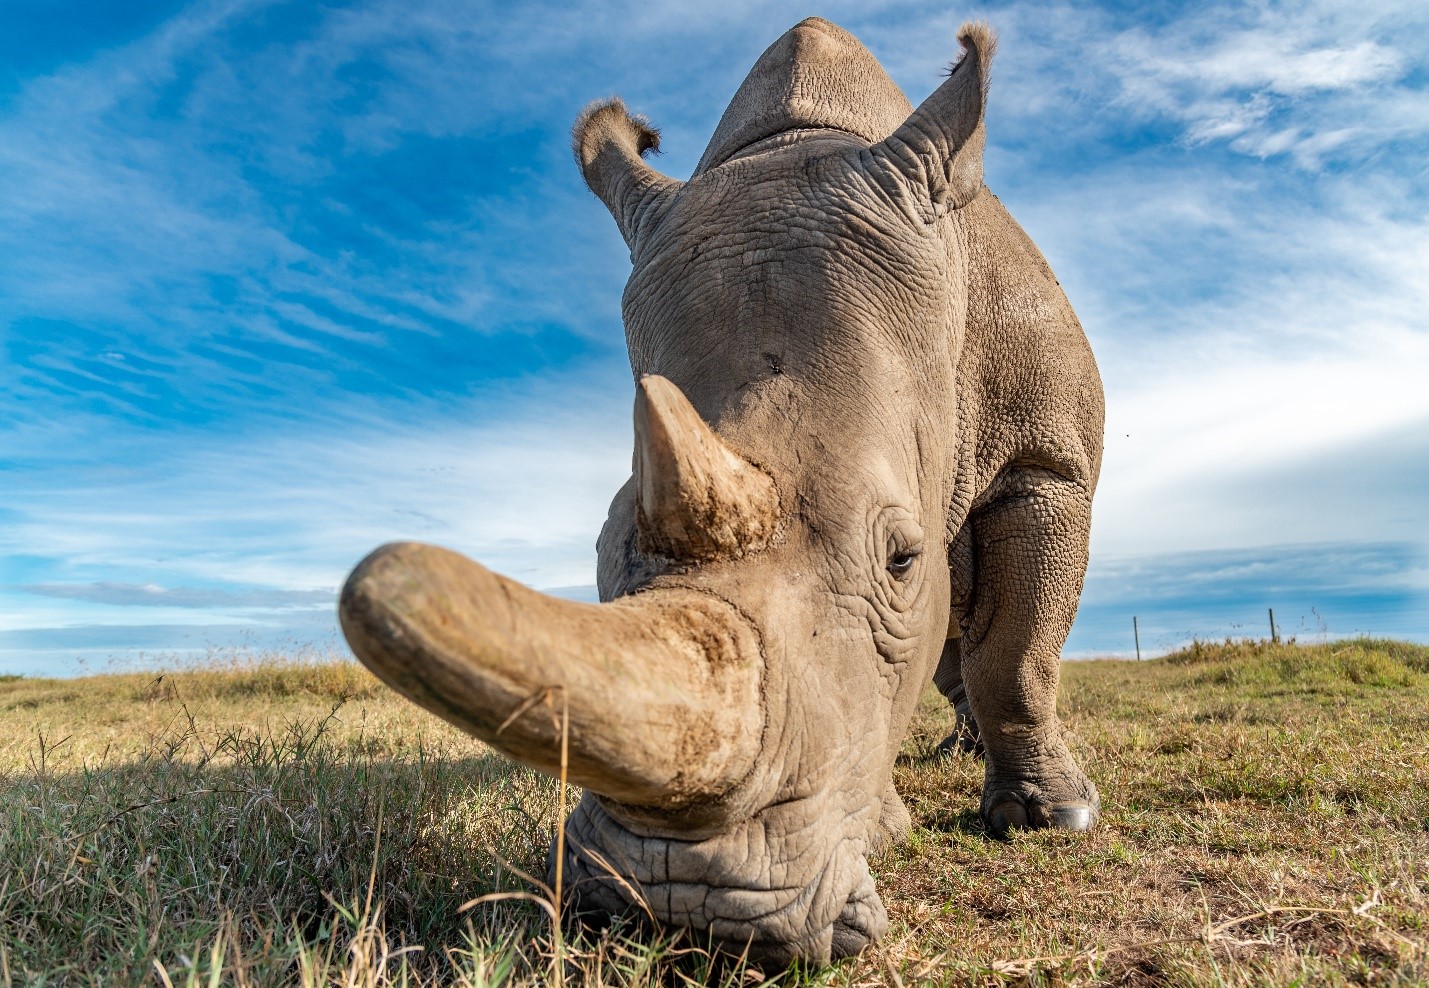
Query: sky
[{"x": 280, "y": 282}]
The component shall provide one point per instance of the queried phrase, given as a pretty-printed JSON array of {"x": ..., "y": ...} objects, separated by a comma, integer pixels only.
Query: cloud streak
[
  {"x": 293, "y": 511},
  {"x": 1315, "y": 590},
  {"x": 153, "y": 595}
]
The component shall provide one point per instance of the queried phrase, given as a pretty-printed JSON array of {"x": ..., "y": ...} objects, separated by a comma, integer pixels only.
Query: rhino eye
[{"x": 900, "y": 563}]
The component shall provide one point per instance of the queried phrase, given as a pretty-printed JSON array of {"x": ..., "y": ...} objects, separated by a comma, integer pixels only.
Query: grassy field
[{"x": 1266, "y": 821}]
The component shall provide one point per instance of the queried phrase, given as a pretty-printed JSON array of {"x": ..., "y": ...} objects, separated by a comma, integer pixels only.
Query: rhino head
[{"x": 775, "y": 576}]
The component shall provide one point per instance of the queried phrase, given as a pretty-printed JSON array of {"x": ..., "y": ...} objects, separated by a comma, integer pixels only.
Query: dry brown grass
[{"x": 1266, "y": 821}]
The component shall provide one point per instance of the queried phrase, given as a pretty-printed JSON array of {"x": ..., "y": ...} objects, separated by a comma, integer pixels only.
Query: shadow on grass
[
  {"x": 270, "y": 838},
  {"x": 950, "y": 821}
]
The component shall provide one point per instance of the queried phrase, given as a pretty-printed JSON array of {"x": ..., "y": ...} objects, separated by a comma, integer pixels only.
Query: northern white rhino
[{"x": 867, "y": 431}]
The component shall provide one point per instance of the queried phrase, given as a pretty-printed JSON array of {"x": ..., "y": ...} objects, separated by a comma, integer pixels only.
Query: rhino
[{"x": 868, "y": 428}]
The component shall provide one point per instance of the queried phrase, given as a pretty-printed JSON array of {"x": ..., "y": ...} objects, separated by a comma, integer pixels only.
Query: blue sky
[{"x": 280, "y": 282}]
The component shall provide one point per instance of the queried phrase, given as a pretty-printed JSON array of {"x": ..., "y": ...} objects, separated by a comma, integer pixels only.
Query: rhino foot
[
  {"x": 965, "y": 738},
  {"x": 1066, "y": 800}
]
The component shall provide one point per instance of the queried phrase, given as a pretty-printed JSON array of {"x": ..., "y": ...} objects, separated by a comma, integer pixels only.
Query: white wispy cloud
[
  {"x": 524, "y": 491},
  {"x": 153, "y": 595},
  {"x": 120, "y": 217},
  {"x": 1313, "y": 80}
]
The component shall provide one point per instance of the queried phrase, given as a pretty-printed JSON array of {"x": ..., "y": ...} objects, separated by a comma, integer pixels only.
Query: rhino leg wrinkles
[{"x": 1030, "y": 547}]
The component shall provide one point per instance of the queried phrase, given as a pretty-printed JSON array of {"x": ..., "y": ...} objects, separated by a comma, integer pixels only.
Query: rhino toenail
[
  {"x": 1006, "y": 817},
  {"x": 1072, "y": 816}
]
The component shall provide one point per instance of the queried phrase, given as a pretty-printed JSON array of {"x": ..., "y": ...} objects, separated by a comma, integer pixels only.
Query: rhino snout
[{"x": 778, "y": 887}]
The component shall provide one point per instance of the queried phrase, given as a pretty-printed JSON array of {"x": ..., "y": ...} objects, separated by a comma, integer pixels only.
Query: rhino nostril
[{"x": 862, "y": 921}]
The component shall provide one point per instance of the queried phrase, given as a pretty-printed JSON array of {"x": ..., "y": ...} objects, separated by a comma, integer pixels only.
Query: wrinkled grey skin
[
  {"x": 868, "y": 429},
  {"x": 897, "y": 355}
]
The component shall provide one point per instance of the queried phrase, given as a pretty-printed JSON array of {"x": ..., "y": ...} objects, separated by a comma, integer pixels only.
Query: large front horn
[
  {"x": 940, "y": 146},
  {"x": 697, "y": 498},
  {"x": 662, "y": 689}
]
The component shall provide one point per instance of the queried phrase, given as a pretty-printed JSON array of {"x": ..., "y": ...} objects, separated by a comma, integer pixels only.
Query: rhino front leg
[
  {"x": 1030, "y": 548},
  {"x": 948, "y": 679}
]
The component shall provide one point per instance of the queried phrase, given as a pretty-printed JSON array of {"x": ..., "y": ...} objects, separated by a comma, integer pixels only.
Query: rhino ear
[
  {"x": 940, "y": 145},
  {"x": 608, "y": 143}
]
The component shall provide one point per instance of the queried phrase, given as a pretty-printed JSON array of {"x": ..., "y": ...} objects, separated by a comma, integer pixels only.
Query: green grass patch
[{"x": 1342, "y": 665}]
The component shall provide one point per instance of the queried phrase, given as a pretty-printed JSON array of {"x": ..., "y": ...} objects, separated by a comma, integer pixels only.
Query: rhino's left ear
[
  {"x": 609, "y": 143},
  {"x": 940, "y": 146}
]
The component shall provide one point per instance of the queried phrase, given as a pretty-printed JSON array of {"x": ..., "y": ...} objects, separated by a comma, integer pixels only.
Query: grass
[{"x": 1266, "y": 821}]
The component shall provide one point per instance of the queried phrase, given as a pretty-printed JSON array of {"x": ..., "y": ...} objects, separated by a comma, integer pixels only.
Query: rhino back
[{"x": 1029, "y": 391}]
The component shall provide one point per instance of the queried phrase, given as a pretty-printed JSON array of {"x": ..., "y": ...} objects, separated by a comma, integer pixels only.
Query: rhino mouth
[{"x": 773, "y": 889}]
